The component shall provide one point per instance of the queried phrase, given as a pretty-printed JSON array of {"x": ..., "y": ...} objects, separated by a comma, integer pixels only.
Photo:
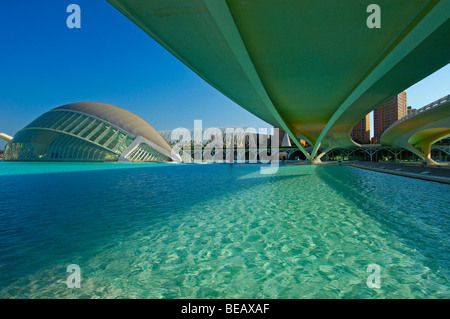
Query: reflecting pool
[{"x": 220, "y": 231}]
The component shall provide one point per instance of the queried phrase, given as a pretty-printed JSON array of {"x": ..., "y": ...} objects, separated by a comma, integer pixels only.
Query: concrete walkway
[{"x": 432, "y": 173}]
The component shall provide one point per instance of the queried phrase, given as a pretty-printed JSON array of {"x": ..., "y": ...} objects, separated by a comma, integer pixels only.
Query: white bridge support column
[
  {"x": 395, "y": 152},
  {"x": 371, "y": 153},
  {"x": 317, "y": 159},
  {"x": 425, "y": 155}
]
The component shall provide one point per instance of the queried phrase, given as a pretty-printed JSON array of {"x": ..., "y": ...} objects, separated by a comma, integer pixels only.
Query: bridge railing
[{"x": 425, "y": 108}]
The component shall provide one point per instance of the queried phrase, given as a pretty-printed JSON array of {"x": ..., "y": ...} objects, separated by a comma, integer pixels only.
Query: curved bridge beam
[
  {"x": 222, "y": 17},
  {"x": 312, "y": 68},
  {"x": 421, "y": 28},
  {"x": 421, "y": 130}
]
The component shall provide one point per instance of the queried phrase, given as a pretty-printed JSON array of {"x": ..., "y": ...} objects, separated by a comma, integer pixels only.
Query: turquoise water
[{"x": 220, "y": 231}]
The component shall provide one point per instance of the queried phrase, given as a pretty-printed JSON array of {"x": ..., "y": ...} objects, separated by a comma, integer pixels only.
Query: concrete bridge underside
[
  {"x": 420, "y": 131},
  {"x": 311, "y": 68}
]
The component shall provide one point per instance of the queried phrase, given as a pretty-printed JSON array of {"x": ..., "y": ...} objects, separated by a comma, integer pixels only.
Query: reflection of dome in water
[{"x": 89, "y": 131}]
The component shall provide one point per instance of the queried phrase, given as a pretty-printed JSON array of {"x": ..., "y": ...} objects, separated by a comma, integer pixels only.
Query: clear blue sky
[{"x": 44, "y": 64}]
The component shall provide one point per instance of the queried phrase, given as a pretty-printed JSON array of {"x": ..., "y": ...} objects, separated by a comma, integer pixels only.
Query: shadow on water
[
  {"x": 49, "y": 219},
  {"x": 414, "y": 210}
]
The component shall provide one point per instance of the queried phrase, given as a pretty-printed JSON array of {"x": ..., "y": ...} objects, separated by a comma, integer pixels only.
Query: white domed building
[{"x": 89, "y": 132}]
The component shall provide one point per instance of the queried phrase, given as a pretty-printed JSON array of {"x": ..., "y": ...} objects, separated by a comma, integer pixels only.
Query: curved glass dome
[{"x": 88, "y": 131}]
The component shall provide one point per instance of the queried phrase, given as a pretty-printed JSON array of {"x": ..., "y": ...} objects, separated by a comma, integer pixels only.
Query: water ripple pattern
[{"x": 221, "y": 231}]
